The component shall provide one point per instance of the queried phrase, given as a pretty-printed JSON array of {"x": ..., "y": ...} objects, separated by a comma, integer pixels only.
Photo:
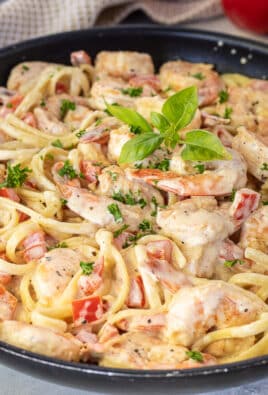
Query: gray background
[{"x": 15, "y": 383}]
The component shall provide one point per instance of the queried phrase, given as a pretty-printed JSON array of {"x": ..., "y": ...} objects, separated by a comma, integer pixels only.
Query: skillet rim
[{"x": 135, "y": 374}]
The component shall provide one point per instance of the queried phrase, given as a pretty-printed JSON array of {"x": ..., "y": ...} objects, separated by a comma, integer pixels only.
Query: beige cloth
[{"x": 24, "y": 19}]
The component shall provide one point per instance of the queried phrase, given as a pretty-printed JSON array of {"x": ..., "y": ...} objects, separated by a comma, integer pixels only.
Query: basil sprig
[{"x": 177, "y": 112}]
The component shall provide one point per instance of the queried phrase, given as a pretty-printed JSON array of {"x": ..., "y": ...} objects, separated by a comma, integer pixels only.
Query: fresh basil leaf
[
  {"x": 130, "y": 117},
  {"x": 140, "y": 147},
  {"x": 180, "y": 108},
  {"x": 204, "y": 146},
  {"x": 159, "y": 121}
]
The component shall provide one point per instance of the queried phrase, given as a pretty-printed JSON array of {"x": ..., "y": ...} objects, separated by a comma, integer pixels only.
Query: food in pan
[{"x": 134, "y": 218}]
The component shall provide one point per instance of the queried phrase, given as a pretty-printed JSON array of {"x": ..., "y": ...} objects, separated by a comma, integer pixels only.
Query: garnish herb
[
  {"x": 113, "y": 175},
  {"x": 163, "y": 165},
  {"x": 120, "y": 230},
  {"x": 199, "y": 168},
  {"x": 232, "y": 197},
  {"x": 227, "y": 113},
  {"x": 198, "y": 76},
  {"x": 57, "y": 143},
  {"x": 132, "y": 92},
  {"x": 80, "y": 133},
  {"x": 177, "y": 112},
  {"x": 9, "y": 105},
  {"x": 145, "y": 225},
  {"x": 16, "y": 175},
  {"x": 66, "y": 105},
  {"x": 63, "y": 201},
  {"x": 129, "y": 198},
  {"x": 68, "y": 170},
  {"x": 264, "y": 166},
  {"x": 25, "y": 67},
  {"x": 115, "y": 211},
  {"x": 49, "y": 156},
  {"x": 154, "y": 202},
  {"x": 98, "y": 122},
  {"x": 223, "y": 96},
  {"x": 265, "y": 203},
  {"x": 63, "y": 244},
  {"x": 233, "y": 262},
  {"x": 87, "y": 267},
  {"x": 195, "y": 355},
  {"x": 42, "y": 103}
]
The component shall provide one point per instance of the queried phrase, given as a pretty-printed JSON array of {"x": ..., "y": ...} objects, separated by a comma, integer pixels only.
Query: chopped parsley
[
  {"x": 25, "y": 67},
  {"x": 49, "y": 156},
  {"x": 66, "y": 105},
  {"x": 63, "y": 244},
  {"x": 113, "y": 175},
  {"x": 233, "y": 262},
  {"x": 63, "y": 201},
  {"x": 129, "y": 198},
  {"x": 132, "y": 92},
  {"x": 264, "y": 166},
  {"x": 80, "y": 133},
  {"x": 68, "y": 170},
  {"x": 42, "y": 103},
  {"x": 145, "y": 225},
  {"x": 87, "y": 267},
  {"x": 16, "y": 175},
  {"x": 223, "y": 96},
  {"x": 265, "y": 203},
  {"x": 199, "y": 168},
  {"x": 167, "y": 89},
  {"x": 98, "y": 122},
  {"x": 115, "y": 211},
  {"x": 198, "y": 76},
  {"x": 227, "y": 113},
  {"x": 57, "y": 143},
  {"x": 9, "y": 105},
  {"x": 232, "y": 197},
  {"x": 163, "y": 165},
  {"x": 120, "y": 230},
  {"x": 195, "y": 355},
  {"x": 154, "y": 202}
]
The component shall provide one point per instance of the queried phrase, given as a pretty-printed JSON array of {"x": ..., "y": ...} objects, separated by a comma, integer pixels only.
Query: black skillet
[{"x": 229, "y": 54}]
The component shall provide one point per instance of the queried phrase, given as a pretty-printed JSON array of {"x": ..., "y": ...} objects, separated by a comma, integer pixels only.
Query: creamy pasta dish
[{"x": 134, "y": 212}]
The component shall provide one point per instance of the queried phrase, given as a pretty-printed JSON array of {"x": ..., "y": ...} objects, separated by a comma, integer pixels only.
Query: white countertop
[{"x": 15, "y": 383}]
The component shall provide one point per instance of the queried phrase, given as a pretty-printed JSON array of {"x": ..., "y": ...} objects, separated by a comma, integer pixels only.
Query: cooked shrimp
[
  {"x": 146, "y": 351},
  {"x": 48, "y": 123},
  {"x": 23, "y": 76},
  {"x": 255, "y": 231},
  {"x": 254, "y": 150},
  {"x": 109, "y": 90},
  {"x": 225, "y": 176},
  {"x": 80, "y": 57},
  {"x": 95, "y": 209},
  {"x": 179, "y": 75},
  {"x": 199, "y": 227},
  {"x": 150, "y": 84},
  {"x": 54, "y": 272},
  {"x": 8, "y": 304},
  {"x": 118, "y": 137},
  {"x": 113, "y": 181},
  {"x": 40, "y": 340},
  {"x": 34, "y": 246},
  {"x": 216, "y": 304},
  {"x": 124, "y": 64}
]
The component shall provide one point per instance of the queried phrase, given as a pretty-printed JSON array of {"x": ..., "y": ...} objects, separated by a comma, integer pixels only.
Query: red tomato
[
  {"x": 9, "y": 193},
  {"x": 87, "y": 309},
  {"x": 61, "y": 88},
  {"x": 252, "y": 15}
]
